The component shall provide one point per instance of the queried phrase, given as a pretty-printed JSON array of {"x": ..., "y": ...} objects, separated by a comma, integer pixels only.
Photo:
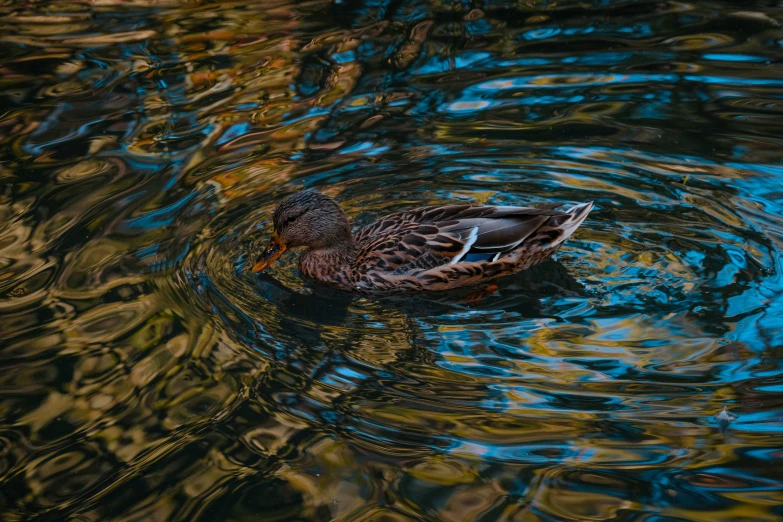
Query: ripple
[
  {"x": 694, "y": 42},
  {"x": 89, "y": 168},
  {"x": 148, "y": 372}
]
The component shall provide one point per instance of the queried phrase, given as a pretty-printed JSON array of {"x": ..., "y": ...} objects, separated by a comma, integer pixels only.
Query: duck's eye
[{"x": 291, "y": 219}]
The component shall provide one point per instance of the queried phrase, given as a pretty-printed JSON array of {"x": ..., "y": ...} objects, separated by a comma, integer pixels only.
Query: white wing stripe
[{"x": 468, "y": 243}]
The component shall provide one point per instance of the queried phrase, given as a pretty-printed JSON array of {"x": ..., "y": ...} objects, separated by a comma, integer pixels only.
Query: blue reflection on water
[{"x": 141, "y": 179}]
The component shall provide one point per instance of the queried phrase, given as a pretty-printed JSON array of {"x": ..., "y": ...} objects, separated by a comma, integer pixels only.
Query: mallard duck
[{"x": 430, "y": 248}]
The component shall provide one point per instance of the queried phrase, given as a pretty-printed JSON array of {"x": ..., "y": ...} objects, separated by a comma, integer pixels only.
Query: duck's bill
[{"x": 273, "y": 249}]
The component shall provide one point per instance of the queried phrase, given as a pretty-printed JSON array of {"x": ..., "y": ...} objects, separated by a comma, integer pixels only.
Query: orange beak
[{"x": 273, "y": 249}]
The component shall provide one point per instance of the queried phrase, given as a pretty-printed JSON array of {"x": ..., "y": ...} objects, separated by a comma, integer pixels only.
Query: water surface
[{"x": 147, "y": 375}]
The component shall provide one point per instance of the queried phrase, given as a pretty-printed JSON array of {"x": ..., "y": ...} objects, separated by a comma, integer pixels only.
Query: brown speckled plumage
[{"x": 429, "y": 248}]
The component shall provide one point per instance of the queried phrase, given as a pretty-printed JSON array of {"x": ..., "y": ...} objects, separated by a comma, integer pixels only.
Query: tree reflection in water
[{"x": 147, "y": 375}]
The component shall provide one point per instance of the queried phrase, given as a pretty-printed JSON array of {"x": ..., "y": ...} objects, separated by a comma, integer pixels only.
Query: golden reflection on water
[{"x": 146, "y": 375}]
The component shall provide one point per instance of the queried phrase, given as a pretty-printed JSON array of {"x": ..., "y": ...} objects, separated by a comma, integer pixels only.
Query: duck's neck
[{"x": 326, "y": 264}]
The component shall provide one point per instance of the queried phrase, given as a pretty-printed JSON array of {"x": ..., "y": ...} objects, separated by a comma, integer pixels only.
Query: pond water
[{"x": 148, "y": 375}]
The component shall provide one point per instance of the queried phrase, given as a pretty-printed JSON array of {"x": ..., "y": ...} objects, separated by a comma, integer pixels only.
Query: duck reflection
[{"x": 520, "y": 293}]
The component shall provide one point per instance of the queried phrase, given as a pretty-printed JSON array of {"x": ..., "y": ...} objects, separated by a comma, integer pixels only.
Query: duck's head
[{"x": 307, "y": 218}]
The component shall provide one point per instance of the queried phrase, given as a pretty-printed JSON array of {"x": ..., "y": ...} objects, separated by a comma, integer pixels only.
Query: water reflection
[{"x": 147, "y": 375}]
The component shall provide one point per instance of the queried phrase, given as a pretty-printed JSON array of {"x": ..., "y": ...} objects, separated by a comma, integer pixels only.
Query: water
[{"x": 147, "y": 375}]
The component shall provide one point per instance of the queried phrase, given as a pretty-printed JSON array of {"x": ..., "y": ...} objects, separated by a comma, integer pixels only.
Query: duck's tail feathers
[
  {"x": 577, "y": 213},
  {"x": 559, "y": 228}
]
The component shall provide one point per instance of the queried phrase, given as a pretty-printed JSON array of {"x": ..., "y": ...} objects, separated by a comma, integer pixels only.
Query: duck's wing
[{"x": 411, "y": 242}]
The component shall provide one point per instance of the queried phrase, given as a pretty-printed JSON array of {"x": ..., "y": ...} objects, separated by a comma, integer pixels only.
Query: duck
[{"x": 431, "y": 248}]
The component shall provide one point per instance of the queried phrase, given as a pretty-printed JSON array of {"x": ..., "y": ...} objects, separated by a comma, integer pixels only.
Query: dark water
[{"x": 146, "y": 375}]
